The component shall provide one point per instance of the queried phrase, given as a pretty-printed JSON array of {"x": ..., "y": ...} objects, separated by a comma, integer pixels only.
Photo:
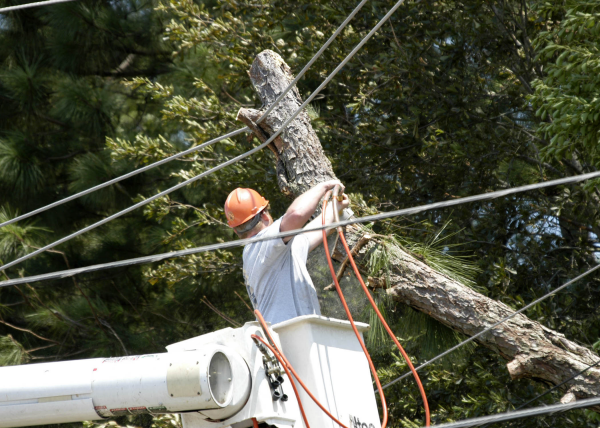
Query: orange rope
[
  {"x": 349, "y": 315},
  {"x": 287, "y": 372},
  {"x": 381, "y": 318},
  {"x": 288, "y": 367},
  {"x": 262, "y": 322}
]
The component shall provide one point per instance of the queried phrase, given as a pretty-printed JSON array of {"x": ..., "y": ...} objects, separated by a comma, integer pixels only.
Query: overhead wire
[
  {"x": 29, "y": 5},
  {"x": 527, "y": 413},
  {"x": 553, "y": 388},
  {"x": 242, "y": 242},
  {"x": 201, "y": 146},
  {"x": 224, "y": 164},
  {"x": 125, "y": 176},
  {"x": 496, "y": 324}
]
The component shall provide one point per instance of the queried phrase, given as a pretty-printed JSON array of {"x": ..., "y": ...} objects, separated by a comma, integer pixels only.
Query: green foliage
[
  {"x": 139, "y": 421},
  {"x": 427, "y": 335},
  {"x": 12, "y": 352},
  {"x": 21, "y": 172},
  {"x": 444, "y": 257},
  {"x": 18, "y": 239},
  {"x": 566, "y": 97},
  {"x": 434, "y": 107}
]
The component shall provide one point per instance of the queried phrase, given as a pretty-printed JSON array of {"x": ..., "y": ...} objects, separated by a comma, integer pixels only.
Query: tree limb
[{"x": 533, "y": 350}]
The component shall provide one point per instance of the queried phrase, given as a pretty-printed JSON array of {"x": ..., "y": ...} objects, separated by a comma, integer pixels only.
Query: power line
[
  {"x": 559, "y": 385},
  {"x": 125, "y": 176},
  {"x": 482, "y": 332},
  {"x": 553, "y": 388},
  {"x": 223, "y": 165},
  {"x": 241, "y": 242},
  {"x": 312, "y": 61},
  {"x": 28, "y": 5},
  {"x": 200, "y": 147},
  {"x": 536, "y": 411}
]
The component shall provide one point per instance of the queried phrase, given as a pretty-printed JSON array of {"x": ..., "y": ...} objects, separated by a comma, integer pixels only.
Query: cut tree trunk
[{"x": 533, "y": 351}]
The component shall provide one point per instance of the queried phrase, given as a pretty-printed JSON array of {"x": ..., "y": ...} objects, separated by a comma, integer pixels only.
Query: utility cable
[
  {"x": 376, "y": 309},
  {"x": 223, "y": 165},
  {"x": 559, "y": 385},
  {"x": 28, "y": 5},
  {"x": 349, "y": 315},
  {"x": 242, "y": 242},
  {"x": 528, "y": 413},
  {"x": 201, "y": 146},
  {"x": 125, "y": 176},
  {"x": 553, "y": 388},
  {"x": 486, "y": 330}
]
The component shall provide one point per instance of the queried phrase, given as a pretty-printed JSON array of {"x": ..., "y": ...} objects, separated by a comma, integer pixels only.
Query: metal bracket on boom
[{"x": 273, "y": 371}]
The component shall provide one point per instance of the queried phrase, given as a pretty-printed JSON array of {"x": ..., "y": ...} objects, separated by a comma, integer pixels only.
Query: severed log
[{"x": 533, "y": 351}]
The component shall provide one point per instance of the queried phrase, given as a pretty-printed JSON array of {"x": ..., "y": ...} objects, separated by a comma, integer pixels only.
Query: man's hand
[
  {"x": 316, "y": 238},
  {"x": 330, "y": 184},
  {"x": 344, "y": 203}
]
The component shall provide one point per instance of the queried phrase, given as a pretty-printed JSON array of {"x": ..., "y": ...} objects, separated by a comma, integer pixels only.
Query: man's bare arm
[
  {"x": 304, "y": 206},
  {"x": 316, "y": 238}
]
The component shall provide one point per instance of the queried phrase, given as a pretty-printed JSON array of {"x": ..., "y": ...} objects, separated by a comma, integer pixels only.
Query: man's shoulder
[{"x": 273, "y": 227}]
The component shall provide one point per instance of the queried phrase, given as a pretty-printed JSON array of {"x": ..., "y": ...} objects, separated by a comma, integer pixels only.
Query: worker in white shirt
[{"x": 275, "y": 271}]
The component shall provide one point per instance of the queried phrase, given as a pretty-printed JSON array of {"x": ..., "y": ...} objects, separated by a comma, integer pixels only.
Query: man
[{"x": 275, "y": 271}]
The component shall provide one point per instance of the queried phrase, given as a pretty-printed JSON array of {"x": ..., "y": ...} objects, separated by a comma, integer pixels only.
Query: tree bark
[{"x": 533, "y": 350}]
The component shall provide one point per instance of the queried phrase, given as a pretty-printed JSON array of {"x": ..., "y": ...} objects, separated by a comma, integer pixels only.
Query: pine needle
[{"x": 12, "y": 353}]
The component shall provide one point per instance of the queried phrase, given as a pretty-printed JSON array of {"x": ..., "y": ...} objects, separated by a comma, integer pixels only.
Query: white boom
[{"x": 216, "y": 380}]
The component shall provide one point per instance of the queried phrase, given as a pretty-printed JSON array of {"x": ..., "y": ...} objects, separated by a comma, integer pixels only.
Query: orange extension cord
[
  {"x": 288, "y": 367},
  {"x": 349, "y": 315},
  {"x": 373, "y": 304}
]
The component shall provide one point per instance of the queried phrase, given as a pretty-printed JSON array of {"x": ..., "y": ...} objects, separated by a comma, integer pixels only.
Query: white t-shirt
[{"x": 276, "y": 277}]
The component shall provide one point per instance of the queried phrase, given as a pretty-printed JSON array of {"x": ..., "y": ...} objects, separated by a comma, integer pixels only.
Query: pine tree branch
[
  {"x": 116, "y": 335},
  {"x": 150, "y": 72},
  {"x": 67, "y": 156},
  {"x": 40, "y": 348},
  {"x": 27, "y": 331},
  {"x": 219, "y": 313},
  {"x": 25, "y": 298},
  {"x": 243, "y": 301}
]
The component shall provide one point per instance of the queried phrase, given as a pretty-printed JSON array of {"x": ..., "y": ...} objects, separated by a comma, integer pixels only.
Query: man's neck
[{"x": 257, "y": 230}]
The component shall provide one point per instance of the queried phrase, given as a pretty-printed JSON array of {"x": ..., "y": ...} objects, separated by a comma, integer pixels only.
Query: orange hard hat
[{"x": 243, "y": 204}]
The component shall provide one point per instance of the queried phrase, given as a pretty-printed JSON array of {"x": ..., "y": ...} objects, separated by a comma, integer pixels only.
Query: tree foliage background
[{"x": 449, "y": 99}]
